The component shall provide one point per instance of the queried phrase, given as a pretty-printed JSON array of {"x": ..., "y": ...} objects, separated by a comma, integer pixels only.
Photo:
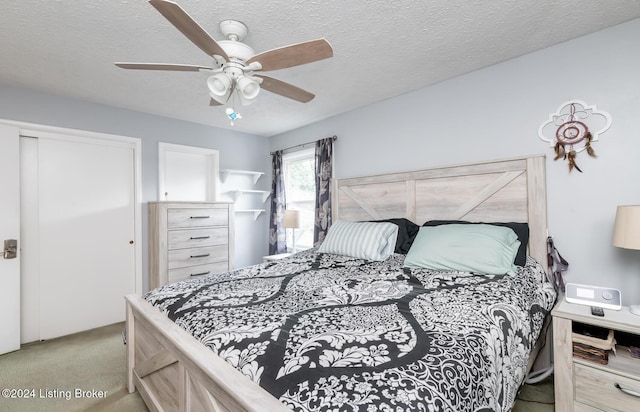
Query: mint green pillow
[
  {"x": 364, "y": 240},
  {"x": 477, "y": 248}
]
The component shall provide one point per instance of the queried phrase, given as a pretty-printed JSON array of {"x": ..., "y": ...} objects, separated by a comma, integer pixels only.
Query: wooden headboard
[{"x": 512, "y": 190}]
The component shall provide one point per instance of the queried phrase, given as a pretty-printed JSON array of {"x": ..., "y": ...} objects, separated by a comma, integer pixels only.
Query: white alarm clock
[{"x": 593, "y": 296}]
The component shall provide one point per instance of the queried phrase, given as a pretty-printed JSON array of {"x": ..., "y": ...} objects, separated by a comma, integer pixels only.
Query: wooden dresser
[
  {"x": 583, "y": 385},
  {"x": 188, "y": 239}
]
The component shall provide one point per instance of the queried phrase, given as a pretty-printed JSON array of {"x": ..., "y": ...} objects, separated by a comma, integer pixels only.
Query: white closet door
[
  {"x": 9, "y": 229},
  {"x": 86, "y": 231}
]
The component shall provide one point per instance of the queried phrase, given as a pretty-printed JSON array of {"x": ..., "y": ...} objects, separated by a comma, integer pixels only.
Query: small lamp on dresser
[
  {"x": 626, "y": 234},
  {"x": 292, "y": 221}
]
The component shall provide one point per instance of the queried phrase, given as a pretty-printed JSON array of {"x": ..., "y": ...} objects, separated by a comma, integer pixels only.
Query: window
[{"x": 300, "y": 189}]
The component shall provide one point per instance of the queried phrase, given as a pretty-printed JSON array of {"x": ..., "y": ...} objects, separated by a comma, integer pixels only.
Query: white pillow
[{"x": 365, "y": 240}]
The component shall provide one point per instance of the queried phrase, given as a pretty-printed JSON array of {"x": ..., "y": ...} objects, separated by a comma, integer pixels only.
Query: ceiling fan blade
[
  {"x": 285, "y": 89},
  {"x": 183, "y": 22},
  {"x": 293, "y": 55},
  {"x": 214, "y": 103},
  {"x": 162, "y": 66}
]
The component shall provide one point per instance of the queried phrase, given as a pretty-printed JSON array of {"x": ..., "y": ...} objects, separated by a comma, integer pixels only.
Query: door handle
[{"x": 10, "y": 249}]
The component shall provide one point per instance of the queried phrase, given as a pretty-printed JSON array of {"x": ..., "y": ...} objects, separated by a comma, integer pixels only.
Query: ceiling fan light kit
[
  {"x": 248, "y": 89},
  {"x": 219, "y": 87},
  {"x": 234, "y": 62}
]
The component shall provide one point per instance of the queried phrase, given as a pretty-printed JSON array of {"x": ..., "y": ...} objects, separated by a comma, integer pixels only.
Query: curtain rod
[{"x": 334, "y": 137}]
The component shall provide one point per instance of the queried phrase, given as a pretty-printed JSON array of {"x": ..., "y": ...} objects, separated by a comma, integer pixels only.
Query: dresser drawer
[
  {"x": 197, "y": 256},
  {"x": 188, "y": 238},
  {"x": 194, "y": 217},
  {"x": 598, "y": 388},
  {"x": 192, "y": 272}
]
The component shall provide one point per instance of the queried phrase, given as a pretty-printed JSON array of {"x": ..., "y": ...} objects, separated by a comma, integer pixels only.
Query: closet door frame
[{"x": 35, "y": 130}]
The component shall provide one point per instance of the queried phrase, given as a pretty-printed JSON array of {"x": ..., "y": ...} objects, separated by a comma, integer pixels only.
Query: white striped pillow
[{"x": 365, "y": 240}]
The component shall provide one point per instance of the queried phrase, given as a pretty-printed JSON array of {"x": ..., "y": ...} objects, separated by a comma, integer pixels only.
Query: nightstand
[
  {"x": 582, "y": 385},
  {"x": 272, "y": 258}
]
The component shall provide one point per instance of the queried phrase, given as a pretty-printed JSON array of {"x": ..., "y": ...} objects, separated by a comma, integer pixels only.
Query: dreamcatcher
[{"x": 568, "y": 130}]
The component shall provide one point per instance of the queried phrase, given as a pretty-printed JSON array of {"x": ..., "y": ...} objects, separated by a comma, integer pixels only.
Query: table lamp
[
  {"x": 292, "y": 221},
  {"x": 626, "y": 234}
]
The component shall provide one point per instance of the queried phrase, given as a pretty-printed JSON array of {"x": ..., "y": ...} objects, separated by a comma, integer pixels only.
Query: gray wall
[
  {"x": 237, "y": 151},
  {"x": 495, "y": 113}
]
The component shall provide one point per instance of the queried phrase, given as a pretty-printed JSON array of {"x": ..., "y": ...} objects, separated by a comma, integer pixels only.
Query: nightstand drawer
[
  {"x": 197, "y": 256},
  {"x": 183, "y": 218},
  {"x": 188, "y": 238},
  {"x": 192, "y": 272},
  {"x": 581, "y": 407},
  {"x": 598, "y": 388}
]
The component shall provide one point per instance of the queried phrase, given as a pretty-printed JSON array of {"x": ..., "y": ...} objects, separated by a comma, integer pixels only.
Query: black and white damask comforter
[{"x": 325, "y": 332}]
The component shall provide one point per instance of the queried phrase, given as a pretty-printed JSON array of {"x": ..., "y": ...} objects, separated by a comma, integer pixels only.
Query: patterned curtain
[
  {"x": 324, "y": 154},
  {"x": 277, "y": 234}
]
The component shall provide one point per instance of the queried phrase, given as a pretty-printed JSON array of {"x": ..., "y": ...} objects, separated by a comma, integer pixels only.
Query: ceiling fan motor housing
[{"x": 237, "y": 50}]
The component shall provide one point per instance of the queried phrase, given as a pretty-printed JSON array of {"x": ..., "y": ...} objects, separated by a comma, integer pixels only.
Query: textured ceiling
[{"x": 381, "y": 49}]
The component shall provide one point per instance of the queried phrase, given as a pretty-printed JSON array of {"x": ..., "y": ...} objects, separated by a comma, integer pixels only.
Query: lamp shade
[
  {"x": 219, "y": 87},
  {"x": 291, "y": 219},
  {"x": 626, "y": 232},
  {"x": 247, "y": 90}
]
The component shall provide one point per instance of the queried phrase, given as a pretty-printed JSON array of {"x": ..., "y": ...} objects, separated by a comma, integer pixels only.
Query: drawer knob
[
  {"x": 200, "y": 256},
  {"x": 199, "y": 217},
  {"x": 627, "y": 391},
  {"x": 199, "y": 237},
  {"x": 202, "y": 273}
]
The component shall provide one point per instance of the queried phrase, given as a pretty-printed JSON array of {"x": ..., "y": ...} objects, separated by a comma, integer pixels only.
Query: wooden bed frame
[{"x": 174, "y": 372}]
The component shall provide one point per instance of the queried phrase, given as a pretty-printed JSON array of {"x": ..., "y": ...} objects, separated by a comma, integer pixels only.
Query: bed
[{"x": 322, "y": 331}]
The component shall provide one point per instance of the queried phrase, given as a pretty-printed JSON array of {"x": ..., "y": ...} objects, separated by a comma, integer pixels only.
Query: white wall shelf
[
  {"x": 225, "y": 173},
  {"x": 256, "y": 212},
  {"x": 237, "y": 193}
]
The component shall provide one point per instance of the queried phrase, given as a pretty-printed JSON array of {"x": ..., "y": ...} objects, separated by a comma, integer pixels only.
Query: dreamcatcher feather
[{"x": 572, "y": 135}]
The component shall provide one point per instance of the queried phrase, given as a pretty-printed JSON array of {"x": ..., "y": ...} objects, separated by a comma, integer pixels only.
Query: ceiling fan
[{"x": 234, "y": 63}]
